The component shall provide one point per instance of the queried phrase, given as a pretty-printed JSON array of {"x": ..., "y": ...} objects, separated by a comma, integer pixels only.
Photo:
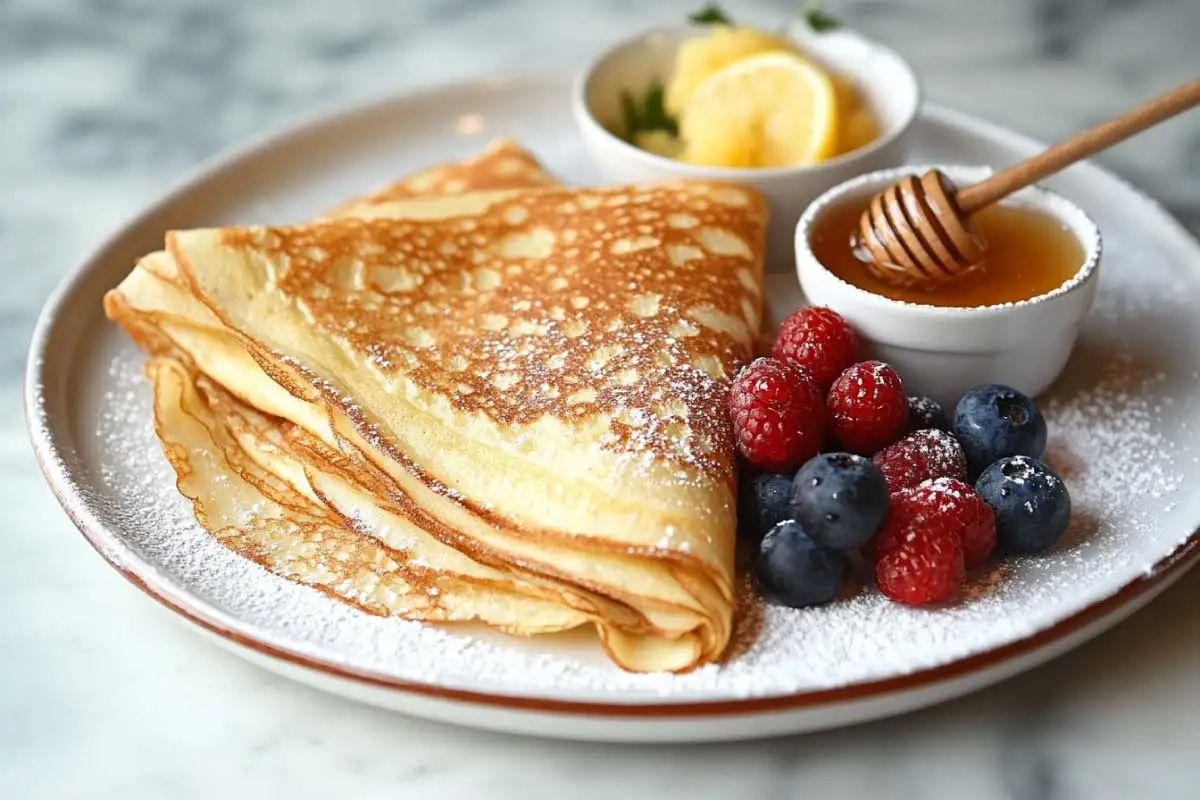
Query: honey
[{"x": 1029, "y": 253}]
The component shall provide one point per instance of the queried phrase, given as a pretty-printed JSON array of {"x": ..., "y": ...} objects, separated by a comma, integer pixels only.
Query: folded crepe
[
  {"x": 257, "y": 498},
  {"x": 503, "y": 164},
  {"x": 512, "y": 402}
]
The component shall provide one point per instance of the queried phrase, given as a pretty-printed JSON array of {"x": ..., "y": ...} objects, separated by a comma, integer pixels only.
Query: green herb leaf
[
  {"x": 711, "y": 14},
  {"x": 654, "y": 110},
  {"x": 629, "y": 114},
  {"x": 647, "y": 114},
  {"x": 817, "y": 19}
]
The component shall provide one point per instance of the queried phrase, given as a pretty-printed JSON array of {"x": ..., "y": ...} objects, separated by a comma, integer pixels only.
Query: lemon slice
[
  {"x": 703, "y": 56},
  {"x": 770, "y": 110}
]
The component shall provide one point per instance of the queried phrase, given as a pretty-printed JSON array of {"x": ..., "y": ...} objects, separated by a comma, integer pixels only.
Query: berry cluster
[{"x": 843, "y": 462}]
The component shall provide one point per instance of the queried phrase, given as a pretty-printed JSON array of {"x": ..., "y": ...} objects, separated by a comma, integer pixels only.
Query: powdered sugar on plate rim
[
  {"x": 1107, "y": 440},
  {"x": 1113, "y": 400}
]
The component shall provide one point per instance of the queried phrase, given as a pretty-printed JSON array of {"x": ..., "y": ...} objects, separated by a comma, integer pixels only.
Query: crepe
[
  {"x": 533, "y": 380},
  {"x": 260, "y": 496},
  {"x": 502, "y": 165},
  {"x": 231, "y": 462}
]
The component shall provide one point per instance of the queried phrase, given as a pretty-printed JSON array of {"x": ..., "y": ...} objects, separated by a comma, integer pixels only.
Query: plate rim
[{"x": 58, "y": 475}]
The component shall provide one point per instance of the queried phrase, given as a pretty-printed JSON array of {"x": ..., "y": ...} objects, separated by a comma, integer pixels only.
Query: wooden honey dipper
[{"x": 919, "y": 230}]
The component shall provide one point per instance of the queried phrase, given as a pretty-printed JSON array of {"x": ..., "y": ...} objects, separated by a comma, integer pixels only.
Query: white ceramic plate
[{"x": 1124, "y": 431}]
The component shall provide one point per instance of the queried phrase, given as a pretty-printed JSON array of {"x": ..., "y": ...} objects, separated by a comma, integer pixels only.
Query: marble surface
[{"x": 102, "y": 694}]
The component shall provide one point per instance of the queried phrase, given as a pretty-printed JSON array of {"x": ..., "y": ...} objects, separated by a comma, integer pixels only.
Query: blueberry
[
  {"x": 925, "y": 413},
  {"x": 840, "y": 499},
  {"x": 765, "y": 501},
  {"x": 993, "y": 422},
  {"x": 795, "y": 571},
  {"x": 1031, "y": 502}
]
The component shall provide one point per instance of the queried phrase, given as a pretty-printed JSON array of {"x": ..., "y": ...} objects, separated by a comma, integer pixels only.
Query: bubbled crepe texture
[{"x": 471, "y": 396}]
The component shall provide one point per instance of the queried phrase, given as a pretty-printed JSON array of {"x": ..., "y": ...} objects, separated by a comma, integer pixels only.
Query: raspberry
[
  {"x": 819, "y": 340},
  {"x": 920, "y": 456},
  {"x": 896, "y": 528},
  {"x": 778, "y": 416},
  {"x": 932, "y": 534},
  {"x": 945, "y": 502},
  {"x": 927, "y": 567},
  {"x": 868, "y": 409},
  {"x": 976, "y": 519}
]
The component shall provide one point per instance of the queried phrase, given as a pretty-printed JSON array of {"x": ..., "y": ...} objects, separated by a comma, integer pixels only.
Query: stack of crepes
[{"x": 476, "y": 395}]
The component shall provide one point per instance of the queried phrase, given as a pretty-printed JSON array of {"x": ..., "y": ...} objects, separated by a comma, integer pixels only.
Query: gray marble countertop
[{"x": 102, "y": 694}]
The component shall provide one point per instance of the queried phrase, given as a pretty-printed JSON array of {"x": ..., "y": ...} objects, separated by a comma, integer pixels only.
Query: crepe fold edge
[{"x": 665, "y": 638}]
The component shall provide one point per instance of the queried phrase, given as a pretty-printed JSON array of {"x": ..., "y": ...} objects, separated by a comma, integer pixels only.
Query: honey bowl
[{"x": 943, "y": 349}]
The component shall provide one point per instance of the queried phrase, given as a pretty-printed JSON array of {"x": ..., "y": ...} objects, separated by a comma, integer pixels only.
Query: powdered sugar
[
  {"x": 1113, "y": 421},
  {"x": 925, "y": 410}
]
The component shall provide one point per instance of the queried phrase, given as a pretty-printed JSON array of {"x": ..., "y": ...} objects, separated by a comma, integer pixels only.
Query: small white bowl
[
  {"x": 888, "y": 83},
  {"x": 942, "y": 352}
]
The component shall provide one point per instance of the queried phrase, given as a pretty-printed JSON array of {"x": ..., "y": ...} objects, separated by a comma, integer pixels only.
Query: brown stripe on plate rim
[{"x": 1177, "y": 562}]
